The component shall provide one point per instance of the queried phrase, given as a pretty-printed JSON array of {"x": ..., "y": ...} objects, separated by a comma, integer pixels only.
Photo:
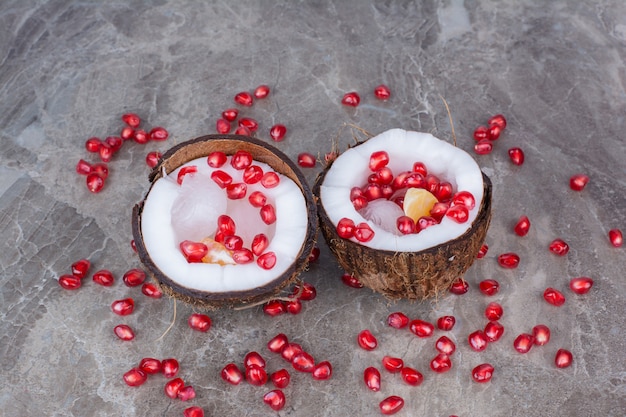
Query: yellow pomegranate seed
[
  {"x": 418, "y": 203},
  {"x": 217, "y": 254}
]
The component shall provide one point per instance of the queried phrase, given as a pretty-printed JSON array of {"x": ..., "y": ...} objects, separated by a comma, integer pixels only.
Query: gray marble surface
[{"x": 69, "y": 70}]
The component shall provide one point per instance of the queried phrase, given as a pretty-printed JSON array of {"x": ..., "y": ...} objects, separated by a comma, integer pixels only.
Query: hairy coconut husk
[
  {"x": 229, "y": 144},
  {"x": 410, "y": 275}
]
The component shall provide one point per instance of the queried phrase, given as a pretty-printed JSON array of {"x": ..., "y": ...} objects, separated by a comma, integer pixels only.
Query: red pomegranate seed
[
  {"x": 280, "y": 378},
  {"x": 83, "y": 167},
  {"x": 359, "y": 203},
  {"x": 233, "y": 242},
  {"x": 391, "y": 405},
  {"x": 446, "y": 323},
  {"x": 405, "y": 225},
  {"x": 249, "y": 123},
  {"x": 193, "y": 251},
  {"x": 392, "y": 364},
  {"x": 420, "y": 168},
  {"x": 274, "y": 308},
  {"x": 159, "y": 134},
  {"x": 151, "y": 290},
  {"x": 411, "y": 376},
  {"x": 494, "y": 331},
  {"x": 315, "y": 254},
  {"x": 189, "y": 169},
  {"x": 497, "y": 120},
  {"x": 93, "y": 144},
  {"x": 481, "y": 133},
  {"x": 256, "y": 375},
  {"x": 425, "y": 222},
  {"x": 517, "y": 156},
  {"x": 559, "y": 247},
  {"x": 445, "y": 345},
  {"x": 253, "y": 358},
  {"x": 303, "y": 362},
  {"x": 382, "y": 92},
  {"x": 261, "y": 91},
  {"x": 351, "y": 99},
  {"x": 95, "y": 182},
  {"x": 275, "y": 399},
  {"x": 260, "y": 242},
  {"x": 482, "y": 252},
  {"x": 127, "y": 133},
  {"x": 216, "y": 159},
  {"x": 278, "y": 132},
  {"x": 489, "y": 287},
  {"x": 616, "y": 238},
  {"x": 173, "y": 386},
  {"x": 268, "y": 261},
  {"x": 508, "y": 260},
  {"x": 278, "y": 343},
  {"x": 541, "y": 334},
  {"x": 268, "y": 214},
  {"x": 308, "y": 292},
  {"x": 141, "y": 136},
  {"x": 363, "y": 232},
  {"x": 230, "y": 114},
  {"x": 134, "y": 277},
  {"x": 483, "y": 147},
  {"x": 243, "y": 256},
  {"x": 367, "y": 340},
  {"x": 151, "y": 366},
  {"x": 241, "y": 160},
  {"x": 459, "y": 286},
  {"x": 306, "y": 160},
  {"x": 441, "y": 363},
  {"x": 371, "y": 376},
  {"x": 257, "y": 199},
  {"x": 351, "y": 281},
  {"x": 578, "y": 182},
  {"x": 581, "y": 285},
  {"x": 345, "y": 228},
  {"x": 101, "y": 170},
  {"x": 523, "y": 342},
  {"x": 131, "y": 119},
  {"x": 194, "y": 411},
  {"x": 222, "y": 126},
  {"x": 563, "y": 358},
  {"x": 199, "y": 322},
  {"x": 270, "y": 180},
  {"x": 124, "y": 332},
  {"x": 114, "y": 142},
  {"x": 221, "y": 178},
  {"x": 522, "y": 226},
  {"x": 493, "y": 311},
  {"x": 236, "y": 191},
  {"x": 135, "y": 377},
  {"x": 494, "y": 132},
  {"x": 123, "y": 307},
  {"x": 421, "y": 328},
  {"x": 153, "y": 158},
  {"x": 554, "y": 297},
  {"x": 432, "y": 183},
  {"x": 231, "y": 374},
  {"x": 170, "y": 367},
  {"x": 80, "y": 268},
  {"x": 103, "y": 277},
  {"x": 293, "y": 306},
  {"x": 322, "y": 371},
  {"x": 482, "y": 373},
  {"x": 133, "y": 246},
  {"x": 186, "y": 393},
  {"x": 290, "y": 351},
  {"x": 478, "y": 340},
  {"x": 397, "y": 320},
  {"x": 244, "y": 98},
  {"x": 378, "y": 160}
]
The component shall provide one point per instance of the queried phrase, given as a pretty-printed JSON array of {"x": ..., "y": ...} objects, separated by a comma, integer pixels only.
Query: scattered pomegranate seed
[
  {"x": 249, "y": 123},
  {"x": 351, "y": 99},
  {"x": 489, "y": 287},
  {"x": 303, "y": 362},
  {"x": 578, "y": 182},
  {"x": 230, "y": 114},
  {"x": 493, "y": 311},
  {"x": 151, "y": 366},
  {"x": 231, "y": 374},
  {"x": 481, "y": 133},
  {"x": 290, "y": 351},
  {"x": 114, "y": 142},
  {"x": 243, "y": 131},
  {"x": 478, "y": 340},
  {"x": 95, "y": 182},
  {"x": 170, "y": 367},
  {"x": 391, "y": 405},
  {"x": 563, "y": 358},
  {"x": 123, "y": 307},
  {"x": 446, "y": 323},
  {"x": 158, "y": 134},
  {"x": 274, "y": 308},
  {"x": 151, "y": 290},
  {"x": 278, "y": 343},
  {"x": 308, "y": 292},
  {"x": 581, "y": 285},
  {"x": 131, "y": 119},
  {"x": 441, "y": 363},
  {"x": 482, "y": 373},
  {"x": 256, "y": 375},
  {"x": 421, "y": 328},
  {"x": 275, "y": 399},
  {"x": 93, "y": 144},
  {"x": 189, "y": 169},
  {"x": 397, "y": 320},
  {"x": 411, "y": 376},
  {"x": 101, "y": 170},
  {"x": 186, "y": 393},
  {"x": 173, "y": 386},
  {"x": 523, "y": 342},
  {"x": 135, "y": 377},
  {"x": 482, "y": 252},
  {"x": 493, "y": 331},
  {"x": 153, "y": 158},
  {"x": 371, "y": 376},
  {"x": 559, "y": 247},
  {"x": 253, "y": 358},
  {"x": 517, "y": 156},
  {"x": 494, "y": 132},
  {"x": 124, "y": 332},
  {"x": 315, "y": 254},
  {"x": 616, "y": 238},
  {"x": 541, "y": 334},
  {"x": 459, "y": 286},
  {"x": 280, "y": 378},
  {"x": 392, "y": 364},
  {"x": 261, "y": 91},
  {"x": 497, "y": 120},
  {"x": 194, "y": 411},
  {"x": 134, "y": 277},
  {"x": 103, "y": 277},
  {"x": 83, "y": 167},
  {"x": 508, "y": 260},
  {"x": 278, "y": 132},
  {"x": 244, "y": 98},
  {"x": 270, "y": 180},
  {"x": 554, "y": 297},
  {"x": 222, "y": 126},
  {"x": 236, "y": 191},
  {"x": 351, "y": 281},
  {"x": 306, "y": 160},
  {"x": 199, "y": 322},
  {"x": 127, "y": 133},
  {"x": 322, "y": 371},
  {"x": 382, "y": 92},
  {"x": 141, "y": 136},
  {"x": 483, "y": 147},
  {"x": 80, "y": 268},
  {"x": 445, "y": 345},
  {"x": 522, "y": 226},
  {"x": 367, "y": 340}
]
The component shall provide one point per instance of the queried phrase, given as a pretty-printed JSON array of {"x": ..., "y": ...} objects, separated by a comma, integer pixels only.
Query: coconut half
[
  {"x": 175, "y": 210},
  {"x": 413, "y": 266}
]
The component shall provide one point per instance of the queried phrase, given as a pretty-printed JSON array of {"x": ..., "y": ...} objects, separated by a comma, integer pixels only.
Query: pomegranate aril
[
  {"x": 131, "y": 119},
  {"x": 494, "y": 132},
  {"x": 233, "y": 242},
  {"x": 391, "y": 405},
  {"x": 522, "y": 226},
  {"x": 363, "y": 232},
  {"x": 392, "y": 364},
  {"x": 463, "y": 198},
  {"x": 405, "y": 225},
  {"x": 293, "y": 306},
  {"x": 256, "y": 375},
  {"x": 445, "y": 345},
  {"x": 372, "y": 192},
  {"x": 193, "y": 251},
  {"x": 367, "y": 340},
  {"x": 315, "y": 254},
  {"x": 278, "y": 132},
  {"x": 101, "y": 170},
  {"x": 508, "y": 260},
  {"x": 497, "y": 120},
  {"x": 123, "y": 307},
  {"x": 517, "y": 156},
  {"x": 134, "y": 277},
  {"x": 581, "y": 285},
  {"x": 95, "y": 182},
  {"x": 303, "y": 362},
  {"x": 150, "y": 366},
  {"x": 268, "y": 214},
  {"x": 216, "y": 159},
  {"x": 268, "y": 261},
  {"x": 170, "y": 367},
  {"x": 199, "y": 322},
  {"x": 280, "y": 378},
  {"x": 444, "y": 191},
  {"x": 104, "y": 278},
  {"x": 578, "y": 182},
  {"x": 306, "y": 160},
  {"x": 554, "y": 297},
  {"x": 432, "y": 183},
  {"x": 382, "y": 92},
  {"x": 441, "y": 363},
  {"x": 459, "y": 286},
  {"x": 351, "y": 99},
  {"x": 251, "y": 124},
  {"x": 261, "y": 91},
  {"x": 135, "y": 377},
  {"x": 244, "y": 98},
  {"x": 322, "y": 371},
  {"x": 493, "y": 331},
  {"x": 397, "y": 320},
  {"x": 616, "y": 238},
  {"x": 446, "y": 323},
  {"x": 221, "y": 178},
  {"x": 482, "y": 373},
  {"x": 243, "y": 131},
  {"x": 236, "y": 191},
  {"x": 483, "y": 147},
  {"x": 563, "y": 358},
  {"x": 489, "y": 287},
  {"x": 482, "y": 252},
  {"x": 378, "y": 160},
  {"x": 307, "y": 293},
  {"x": 141, "y": 136},
  {"x": 230, "y": 114},
  {"x": 222, "y": 126},
  {"x": 173, "y": 386},
  {"x": 270, "y": 180},
  {"x": 153, "y": 158},
  {"x": 257, "y": 199},
  {"x": 151, "y": 290},
  {"x": 559, "y": 247},
  {"x": 253, "y": 358},
  {"x": 481, "y": 133},
  {"x": 232, "y": 374},
  {"x": 115, "y": 142},
  {"x": 275, "y": 399},
  {"x": 83, "y": 167},
  {"x": 189, "y": 169},
  {"x": 411, "y": 376},
  {"x": 127, "y": 133},
  {"x": 541, "y": 334},
  {"x": 241, "y": 160},
  {"x": 243, "y": 256},
  {"x": 493, "y": 311},
  {"x": 194, "y": 411},
  {"x": 523, "y": 342},
  {"x": 421, "y": 328},
  {"x": 345, "y": 228},
  {"x": 290, "y": 351},
  {"x": 478, "y": 340},
  {"x": 80, "y": 268},
  {"x": 186, "y": 393},
  {"x": 371, "y": 376},
  {"x": 158, "y": 134},
  {"x": 351, "y": 281},
  {"x": 274, "y": 308},
  {"x": 93, "y": 144},
  {"x": 278, "y": 343},
  {"x": 124, "y": 332},
  {"x": 105, "y": 152},
  {"x": 260, "y": 242}
]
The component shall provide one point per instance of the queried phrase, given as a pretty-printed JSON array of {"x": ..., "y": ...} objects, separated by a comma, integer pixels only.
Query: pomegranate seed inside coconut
[
  {"x": 306, "y": 160},
  {"x": 135, "y": 377}
]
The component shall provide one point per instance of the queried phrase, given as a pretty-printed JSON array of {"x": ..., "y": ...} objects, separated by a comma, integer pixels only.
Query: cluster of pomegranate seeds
[
  {"x": 73, "y": 281},
  {"x": 301, "y": 292},
  {"x": 353, "y": 99},
  {"x": 485, "y": 136}
]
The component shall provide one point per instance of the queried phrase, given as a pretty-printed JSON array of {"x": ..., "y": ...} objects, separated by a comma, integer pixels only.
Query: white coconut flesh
[
  {"x": 162, "y": 234},
  {"x": 441, "y": 158}
]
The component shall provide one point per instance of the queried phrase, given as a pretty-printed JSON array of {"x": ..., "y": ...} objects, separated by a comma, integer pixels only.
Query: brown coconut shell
[
  {"x": 408, "y": 275},
  {"x": 229, "y": 144}
]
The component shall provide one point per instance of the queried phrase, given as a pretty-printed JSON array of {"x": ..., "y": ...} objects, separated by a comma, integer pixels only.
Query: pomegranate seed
[
  {"x": 478, "y": 340},
  {"x": 411, "y": 376},
  {"x": 445, "y": 345},
  {"x": 482, "y": 252},
  {"x": 267, "y": 261},
  {"x": 493, "y": 311},
  {"x": 186, "y": 393},
  {"x": 351, "y": 99},
  {"x": 563, "y": 358},
  {"x": 280, "y": 378},
  {"x": 159, "y": 134},
  {"x": 141, "y": 136},
  {"x": 581, "y": 285},
  {"x": 127, "y": 133},
  {"x": 444, "y": 191},
  {"x": 522, "y": 226},
  {"x": 424, "y": 222},
  {"x": 494, "y": 331},
  {"x": 216, "y": 159},
  {"x": 382, "y": 92},
  {"x": 173, "y": 386},
  {"x": 244, "y": 98},
  {"x": 459, "y": 286},
  {"x": 80, "y": 268},
  {"x": 391, "y": 405},
  {"x": 124, "y": 332},
  {"x": 483, "y": 147},
  {"x": 306, "y": 160},
  {"x": 241, "y": 160},
  {"x": 559, "y": 247},
  {"x": 482, "y": 373},
  {"x": 249, "y": 123},
  {"x": 446, "y": 322},
  {"x": 151, "y": 290},
  {"x": 517, "y": 156},
  {"x": 101, "y": 170},
  {"x": 489, "y": 287},
  {"x": 405, "y": 225},
  {"x": 351, "y": 281},
  {"x": 135, "y": 377},
  {"x": 93, "y": 145},
  {"x": 190, "y": 169},
  {"x": 371, "y": 376},
  {"x": 363, "y": 232},
  {"x": 221, "y": 178},
  {"x": 392, "y": 364},
  {"x": 278, "y": 132},
  {"x": 236, "y": 191},
  {"x": 497, "y": 120},
  {"x": 378, "y": 160},
  {"x": 222, "y": 126},
  {"x": 290, "y": 351},
  {"x": 397, "y": 320},
  {"x": 308, "y": 292},
  {"x": 359, "y": 203},
  {"x": 554, "y": 297},
  {"x": 193, "y": 412},
  {"x": 541, "y": 334},
  {"x": 123, "y": 307},
  {"x": 233, "y": 242},
  {"x": 322, "y": 371},
  {"x": 494, "y": 132},
  {"x": 170, "y": 367},
  {"x": 131, "y": 119},
  {"x": 481, "y": 133},
  {"x": 275, "y": 399},
  {"x": 345, "y": 228},
  {"x": 274, "y": 308},
  {"x": 134, "y": 277},
  {"x": 83, "y": 167},
  {"x": 441, "y": 363},
  {"x": 578, "y": 182},
  {"x": 523, "y": 342},
  {"x": 153, "y": 158},
  {"x": 372, "y": 192},
  {"x": 367, "y": 340},
  {"x": 256, "y": 375},
  {"x": 104, "y": 278},
  {"x": 315, "y": 254},
  {"x": 231, "y": 374},
  {"x": 262, "y": 91},
  {"x": 294, "y": 306},
  {"x": 432, "y": 183},
  {"x": 268, "y": 214},
  {"x": 270, "y": 180},
  {"x": 150, "y": 366},
  {"x": 257, "y": 199},
  {"x": 193, "y": 251},
  {"x": 95, "y": 182},
  {"x": 230, "y": 114},
  {"x": 616, "y": 238},
  {"x": 253, "y": 358},
  {"x": 260, "y": 242},
  {"x": 464, "y": 198},
  {"x": 303, "y": 362},
  {"x": 508, "y": 260},
  {"x": 243, "y": 256},
  {"x": 421, "y": 328},
  {"x": 278, "y": 343},
  {"x": 199, "y": 322},
  {"x": 114, "y": 142}
]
